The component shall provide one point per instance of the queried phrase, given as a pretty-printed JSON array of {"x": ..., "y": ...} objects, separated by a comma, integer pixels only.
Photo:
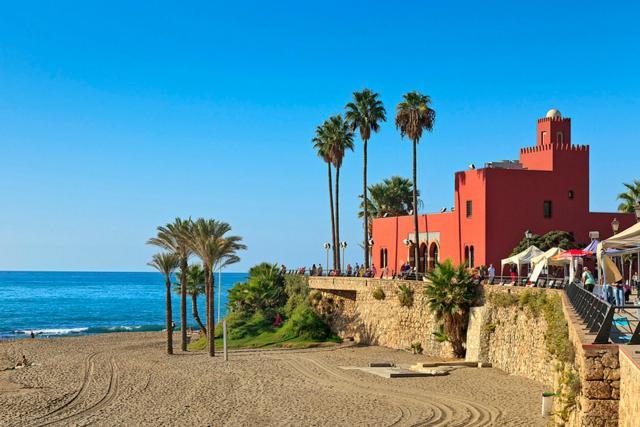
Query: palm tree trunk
[
  {"x": 169, "y": 317},
  {"x": 207, "y": 304},
  {"x": 333, "y": 219},
  {"x": 416, "y": 249},
  {"x": 184, "y": 267},
  {"x": 211, "y": 324},
  {"x": 196, "y": 315},
  {"x": 366, "y": 215},
  {"x": 337, "y": 244}
]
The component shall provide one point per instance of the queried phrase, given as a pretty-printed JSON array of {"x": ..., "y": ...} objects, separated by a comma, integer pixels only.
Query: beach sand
[{"x": 127, "y": 379}]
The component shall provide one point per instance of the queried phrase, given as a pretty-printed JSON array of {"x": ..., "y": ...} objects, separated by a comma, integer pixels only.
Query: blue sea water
[{"x": 76, "y": 303}]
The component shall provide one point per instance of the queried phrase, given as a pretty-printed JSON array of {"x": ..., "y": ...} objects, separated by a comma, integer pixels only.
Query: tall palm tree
[
  {"x": 208, "y": 240},
  {"x": 322, "y": 144},
  {"x": 341, "y": 140},
  {"x": 195, "y": 288},
  {"x": 413, "y": 116},
  {"x": 165, "y": 263},
  {"x": 365, "y": 114},
  {"x": 172, "y": 237},
  {"x": 631, "y": 198}
]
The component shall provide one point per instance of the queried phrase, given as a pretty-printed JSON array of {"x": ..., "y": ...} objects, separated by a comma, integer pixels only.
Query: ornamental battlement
[
  {"x": 556, "y": 147},
  {"x": 554, "y": 119}
]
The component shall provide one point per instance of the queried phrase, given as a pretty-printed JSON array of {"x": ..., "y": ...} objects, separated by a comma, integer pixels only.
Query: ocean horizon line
[{"x": 99, "y": 271}]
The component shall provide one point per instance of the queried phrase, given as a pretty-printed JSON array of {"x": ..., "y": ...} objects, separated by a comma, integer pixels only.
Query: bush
[
  {"x": 305, "y": 323},
  {"x": 315, "y": 296},
  {"x": 416, "y": 348},
  {"x": 405, "y": 295},
  {"x": 378, "y": 293},
  {"x": 242, "y": 325},
  {"x": 297, "y": 290}
]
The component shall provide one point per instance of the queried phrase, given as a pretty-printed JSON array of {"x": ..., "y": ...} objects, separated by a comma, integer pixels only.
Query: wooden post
[{"x": 224, "y": 340}]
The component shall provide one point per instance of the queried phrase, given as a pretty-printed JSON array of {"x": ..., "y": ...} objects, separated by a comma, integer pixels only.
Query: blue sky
[{"x": 116, "y": 117}]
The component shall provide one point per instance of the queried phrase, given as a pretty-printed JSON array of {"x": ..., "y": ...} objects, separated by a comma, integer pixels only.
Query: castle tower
[{"x": 554, "y": 129}]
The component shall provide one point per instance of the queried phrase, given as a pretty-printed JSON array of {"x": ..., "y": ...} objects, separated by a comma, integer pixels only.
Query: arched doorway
[
  {"x": 433, "y": 255},
  {"x": 423, "y": 258},
  {"x": 411, "y": 258}
]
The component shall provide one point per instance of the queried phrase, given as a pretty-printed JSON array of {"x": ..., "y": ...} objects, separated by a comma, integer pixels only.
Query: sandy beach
[{"x": 127, "y": 379}]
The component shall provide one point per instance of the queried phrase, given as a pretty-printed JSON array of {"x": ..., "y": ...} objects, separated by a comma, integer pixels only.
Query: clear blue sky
[{"x": 116, "y": 117}]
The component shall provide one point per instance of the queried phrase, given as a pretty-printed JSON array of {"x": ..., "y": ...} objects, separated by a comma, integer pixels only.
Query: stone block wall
[
  {"x": 349, "y": 307},
  {"x": 629, "y": 413}
]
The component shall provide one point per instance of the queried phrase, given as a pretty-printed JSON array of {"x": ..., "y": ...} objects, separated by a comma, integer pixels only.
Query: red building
[{"x": 546, "y": 189}]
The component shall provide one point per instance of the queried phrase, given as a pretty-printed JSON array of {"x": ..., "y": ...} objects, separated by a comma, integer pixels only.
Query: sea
[{"x": 58, "y": 304}]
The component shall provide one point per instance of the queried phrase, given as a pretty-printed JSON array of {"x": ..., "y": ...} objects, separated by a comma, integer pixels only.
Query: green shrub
[
  {"x": 405, "y": 295},
  {"x": 416, "y": 348},
  {"x": 305, "y": 323},
  {"x": 297, "y": 290},
  {"x": 502, "y": 299},
  {"x": 241, "y": 325},
  {"x": 378, "y": 293},
  {"x": 440, "y": 335}
]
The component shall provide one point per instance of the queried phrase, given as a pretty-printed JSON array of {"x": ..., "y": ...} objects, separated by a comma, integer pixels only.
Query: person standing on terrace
[{"x": 587, "y": 279}]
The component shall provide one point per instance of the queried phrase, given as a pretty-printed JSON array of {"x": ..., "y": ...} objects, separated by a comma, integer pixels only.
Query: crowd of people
[{"x": 618, "y": 293}]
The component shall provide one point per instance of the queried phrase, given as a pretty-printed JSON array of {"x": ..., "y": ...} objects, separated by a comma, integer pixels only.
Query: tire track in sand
[
  {"x": 446, "y": 409},
  {"x": 60, "y": 415}
]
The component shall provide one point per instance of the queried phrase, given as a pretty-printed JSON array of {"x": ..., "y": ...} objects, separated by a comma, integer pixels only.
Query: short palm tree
[
  {"x": 391, "y": 197},
  {"x": 365, "y": 114},
  {"x": 172, "y": 237},
  {"x": 195, "y": 288},
  {"x": 450, "y": 291},
  {"x": 631, "y": 198},
  {"x": 413, "y": 116},
  {"x": 208, "y": 240},
  {"x": 322, "y": 144},
  {"x": 341, "y": 140},
  {"x": 165, "y": 263}
]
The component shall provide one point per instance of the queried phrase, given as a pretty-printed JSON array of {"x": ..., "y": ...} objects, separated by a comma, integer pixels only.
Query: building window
[
  {"x": 466, "y": 255},
  {"x": 560, "y": 138},
  {"x": 469, "y": 208},
  {"x": 472, "y": 254},
  {"x": 547, "y": 208},
  {"x": 542, "y": 135}
]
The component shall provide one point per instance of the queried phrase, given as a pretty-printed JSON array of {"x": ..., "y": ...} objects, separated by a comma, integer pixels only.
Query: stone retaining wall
[{"x": 629, "y": 387}]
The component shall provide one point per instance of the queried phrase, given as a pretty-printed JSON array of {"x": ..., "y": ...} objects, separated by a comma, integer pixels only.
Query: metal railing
[
  {"x": 599, "y": 317},
  {"x": 542, "y": 282}
]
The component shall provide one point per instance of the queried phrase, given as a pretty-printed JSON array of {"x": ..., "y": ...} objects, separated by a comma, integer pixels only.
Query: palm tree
[
  {"x": 165, "y": 263},
  {"x": 413, "y": 115},
  {"x": 391, "y": 197},
  {"x": 450, "y": 293},
  {"x": 365, "y": 114},
  {"x": 631, "y": 198},
  {"x": 172, "y": 237},
  {"x": 322, "y": 144},
  {"x": 195, "y": 288},
  {"x": 341, "y": 140},
  {"x": 207, "y": 239}
]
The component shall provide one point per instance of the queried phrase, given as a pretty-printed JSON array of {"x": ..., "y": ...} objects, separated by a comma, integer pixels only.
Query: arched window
[
  {"x": 472, "y": 255},
  {"x": 433, "y": 255},
  {"x": 542, "y": 137},
  {"x": 560, "y": 138},
  {"x": 423, "y": 258}
]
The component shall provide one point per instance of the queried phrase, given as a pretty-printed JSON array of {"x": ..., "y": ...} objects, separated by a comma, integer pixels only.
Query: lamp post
[
  {"x": 408, "y": 243},
  {"x": 615, "y": 225},
  {"x": 343, "y": 245},
  {"x": 527, "y": 235},
  {"x": 327, "y": 246},
  {"x": 371, "y": 242}
]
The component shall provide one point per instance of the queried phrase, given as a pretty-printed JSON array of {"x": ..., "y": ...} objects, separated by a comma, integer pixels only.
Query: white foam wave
[{"x": 61, "y": 331}]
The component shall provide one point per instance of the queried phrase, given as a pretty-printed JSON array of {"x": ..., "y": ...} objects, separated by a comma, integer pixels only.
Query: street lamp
[
  {"x": 636, "y": 208},
  {"x": 615, "y": 225},
  {"x": 343, "y": 245},
  {"x": 371, "y": 242},
  {"x": 327, "y": 246},
  {"x": 528, "y": 234}
]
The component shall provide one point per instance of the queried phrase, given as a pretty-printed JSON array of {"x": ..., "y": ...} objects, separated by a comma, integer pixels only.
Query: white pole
[
  {"x": 224, "y": 339},
  {"x": 219, "y": 290}
]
